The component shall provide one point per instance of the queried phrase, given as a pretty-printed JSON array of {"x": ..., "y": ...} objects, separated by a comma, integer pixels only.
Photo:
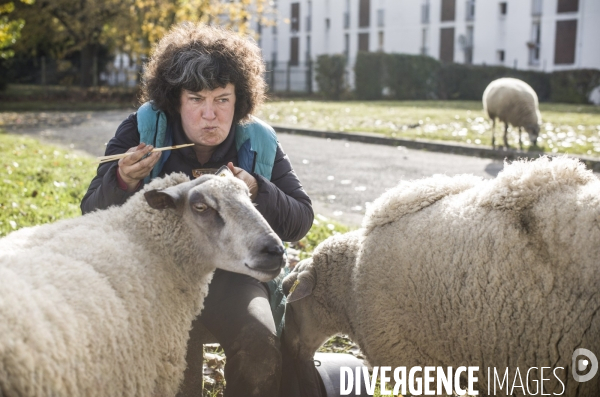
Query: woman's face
[{"x": 206, "y": 116}]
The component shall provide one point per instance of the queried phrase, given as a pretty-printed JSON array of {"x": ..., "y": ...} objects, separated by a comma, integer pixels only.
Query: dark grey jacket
[{"x": 282, "y": 200}]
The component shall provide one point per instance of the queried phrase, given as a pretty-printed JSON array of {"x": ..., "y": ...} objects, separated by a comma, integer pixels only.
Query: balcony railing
[
  {"x": 534, "y": 53},
  {"x": 536, "y": 7},
  {"x": 470, "y": 10},
  {"x": 465, "y": 42},
  {"x": 425, "y": 13}
]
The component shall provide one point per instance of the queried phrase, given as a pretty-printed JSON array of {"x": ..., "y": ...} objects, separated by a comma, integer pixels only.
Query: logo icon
[{"x": 582, "y": 360}]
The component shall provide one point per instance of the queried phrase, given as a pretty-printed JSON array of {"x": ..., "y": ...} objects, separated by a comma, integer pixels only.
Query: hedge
[
  {"x": 422, "y": 71},
  {"x": 467, "y": 82},
  {"x": 330, "y": 72},
  {"x": 573, "y": 86},
  {"x": 369, "y": 66},
  {"x": 422, "y": 77}
]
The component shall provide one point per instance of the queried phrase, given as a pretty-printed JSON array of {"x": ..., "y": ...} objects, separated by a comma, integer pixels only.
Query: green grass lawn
[
  {"x": 40, "y": 183},
  {"x": 566, "y": 128}
]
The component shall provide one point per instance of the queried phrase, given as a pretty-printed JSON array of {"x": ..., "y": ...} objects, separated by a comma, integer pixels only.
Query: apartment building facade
[{"x": 542, "y": 35}]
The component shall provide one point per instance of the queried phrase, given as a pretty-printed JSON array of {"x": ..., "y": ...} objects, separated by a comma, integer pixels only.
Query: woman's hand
[
  {"x": 132, "y": 169},
  {"x": 248, "y": 179}
]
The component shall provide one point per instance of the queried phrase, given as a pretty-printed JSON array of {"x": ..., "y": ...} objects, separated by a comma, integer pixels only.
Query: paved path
[{"x": 341, "y": 177}]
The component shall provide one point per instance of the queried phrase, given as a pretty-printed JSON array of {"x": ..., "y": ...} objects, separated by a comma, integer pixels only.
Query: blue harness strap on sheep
[{"x": 256, "y": 144}]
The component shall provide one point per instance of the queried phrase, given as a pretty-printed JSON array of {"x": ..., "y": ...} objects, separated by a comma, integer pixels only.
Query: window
[
  {"x": 347, "y": 47},
  {"x": 537, "y": 7},
  {"x": 468, "y": 47},
  {"x": 380, "y": 41},
  {"x": 363, "y": 42},
  {"x": 309, "y": 17},
  {"x": 381, "y": 18},
  {"x": 347, "y": 15},
  {"x": 259, "y": 33},
  {"x": 295, "y": 25},
  {"x": 566, "y": 36},
  {"x": 447, "y": 45},
  {"x": 424, "y": 42},
  {"x": 294, "y": 51},
  {"x": 448, "y": 10},
  {"x": 568, "y": 6},
  {"x": 327, "y": 23},
  {"x": 470, "y": 10},
  {"x": 308, "y": 57},
  {"x": 534, "y": 44},
  {"x": 425, "y": 12},
  {"x": 500, "y": 55},
  {"x": 503, "y": 8},
  {"x": 364, "y": 13}
]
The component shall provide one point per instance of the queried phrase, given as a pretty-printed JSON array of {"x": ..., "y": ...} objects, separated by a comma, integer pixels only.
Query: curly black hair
[{"x": 195, "y": 57}]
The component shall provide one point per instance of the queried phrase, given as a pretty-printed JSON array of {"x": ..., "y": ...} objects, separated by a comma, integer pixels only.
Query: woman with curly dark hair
[{"x": 201, "y": 86}]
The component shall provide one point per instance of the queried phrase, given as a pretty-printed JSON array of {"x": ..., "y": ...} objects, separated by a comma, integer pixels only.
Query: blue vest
[{"x": 256, "y": 145}]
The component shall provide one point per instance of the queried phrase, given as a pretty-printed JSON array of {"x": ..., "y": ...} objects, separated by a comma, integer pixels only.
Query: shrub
[
  {"x": 411, "y": 76},
  {"x": 574, "y": 86},
  {"x": 330, "y": 73},
  {"x": 368, "y": 75},
  {"x": 421, "y": 77},
  {"x": 467, "y": 82}
]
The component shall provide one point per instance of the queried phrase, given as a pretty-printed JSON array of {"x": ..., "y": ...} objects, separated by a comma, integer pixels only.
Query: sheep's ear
[
  {"x": 224, "y": 171},
  {"x": 303, "y": 286},
  {"x": 288, "y": 282},
  {"x": 161, "y": 199}
]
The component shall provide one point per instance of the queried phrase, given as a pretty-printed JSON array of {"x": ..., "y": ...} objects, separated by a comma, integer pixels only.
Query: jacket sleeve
[
  {"x": 104, "y": 189},
  {"x": 283, "y": 201}
]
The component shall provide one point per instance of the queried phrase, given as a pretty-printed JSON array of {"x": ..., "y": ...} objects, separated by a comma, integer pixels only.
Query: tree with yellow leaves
[
  {"x": 127, "y": 26},
  {"x": 146, "y": 21},
  {"x": 10, "y": 30}
]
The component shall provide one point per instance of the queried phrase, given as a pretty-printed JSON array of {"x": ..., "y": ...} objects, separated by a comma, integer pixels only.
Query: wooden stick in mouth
[{"x": 106, "y": 159}]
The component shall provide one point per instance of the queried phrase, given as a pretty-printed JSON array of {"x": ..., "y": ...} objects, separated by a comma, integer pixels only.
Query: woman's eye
[{"x": 200, "y": 207}]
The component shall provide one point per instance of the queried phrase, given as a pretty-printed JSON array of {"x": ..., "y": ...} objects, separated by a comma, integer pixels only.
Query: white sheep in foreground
[
  {"x": 101, "y": 305},
  {"x": 453, "y": 271},
  {"x": 514, "y": 102}
]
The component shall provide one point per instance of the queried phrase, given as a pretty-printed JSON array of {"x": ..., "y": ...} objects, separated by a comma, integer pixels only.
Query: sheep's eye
[{"x": 200, "y": 207}]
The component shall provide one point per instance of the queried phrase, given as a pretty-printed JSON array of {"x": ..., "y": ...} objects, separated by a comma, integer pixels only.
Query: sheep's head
[
  {"x": 305, "y": 317},
  {"x": 318, "y": 292},
  {"x": 533, "y": 130},
  {"x": 225, "y": 227}
]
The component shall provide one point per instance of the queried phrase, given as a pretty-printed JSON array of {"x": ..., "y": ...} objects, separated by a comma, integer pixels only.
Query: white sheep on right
[
  {"x": 461, "y": 271},
  {"x": 514, "y": 102}
]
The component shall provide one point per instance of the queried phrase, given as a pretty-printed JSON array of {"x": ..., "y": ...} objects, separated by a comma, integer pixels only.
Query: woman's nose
[{"x": 208, "y": 112}]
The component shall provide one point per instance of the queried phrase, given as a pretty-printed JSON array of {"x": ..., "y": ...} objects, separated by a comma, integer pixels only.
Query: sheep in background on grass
[
  {"x": 514, "y": 102},
  {"x": 453, "y": 271},
  {"x": 102, "y": 305}
]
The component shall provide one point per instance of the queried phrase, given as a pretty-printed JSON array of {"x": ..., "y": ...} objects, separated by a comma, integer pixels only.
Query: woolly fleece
[
  {"x": 102, "y": 305},
  {"x": 512, "y": 101},
  {"x": 463, "y": 271}
]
